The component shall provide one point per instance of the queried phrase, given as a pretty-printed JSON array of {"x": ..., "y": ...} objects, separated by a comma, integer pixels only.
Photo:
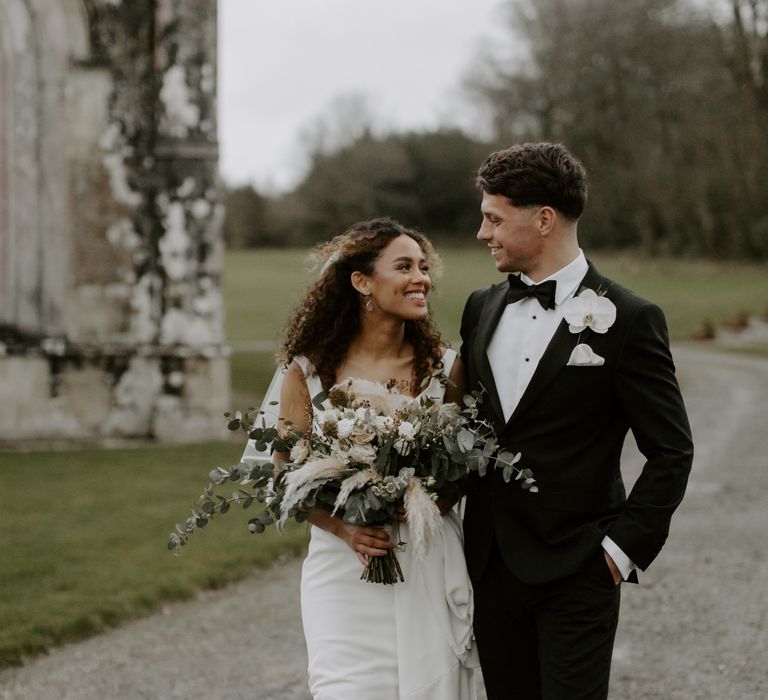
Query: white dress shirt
[{"x": 518, "y": 344}]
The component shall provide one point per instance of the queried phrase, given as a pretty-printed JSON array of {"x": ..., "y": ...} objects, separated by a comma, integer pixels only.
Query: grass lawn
[{"x": 84, "y": 539}]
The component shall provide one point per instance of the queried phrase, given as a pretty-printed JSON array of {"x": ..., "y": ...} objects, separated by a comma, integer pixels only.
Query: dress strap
[
  {"x": 436, "y": 388},
  {"x": 449, "y": 357},
  {"x": 314, "y": 385}
]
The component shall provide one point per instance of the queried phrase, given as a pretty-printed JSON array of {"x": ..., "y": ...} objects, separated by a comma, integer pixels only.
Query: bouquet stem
[{"x": 384, "y": 569}]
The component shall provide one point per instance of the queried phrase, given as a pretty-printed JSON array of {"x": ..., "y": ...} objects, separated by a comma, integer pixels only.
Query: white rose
[
  {"x": 326, "y": 418},
  {"x": 406, "y": 429},
  {"x": 362, "y": 435},
  {"x": 344, "y": 428},
  {"x": 383, "y": 424}
]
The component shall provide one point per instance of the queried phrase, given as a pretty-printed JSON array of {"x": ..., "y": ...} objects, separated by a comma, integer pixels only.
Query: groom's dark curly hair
[
  {"x": 328, "y": 317},
  {"x": 537, "y": 174}
]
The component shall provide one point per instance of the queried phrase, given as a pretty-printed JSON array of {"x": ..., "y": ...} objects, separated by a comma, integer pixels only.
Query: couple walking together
[{"x": 569, "y": 362}]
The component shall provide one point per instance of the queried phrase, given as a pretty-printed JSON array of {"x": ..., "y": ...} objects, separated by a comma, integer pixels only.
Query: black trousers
[{"x": 550, "y": 641}]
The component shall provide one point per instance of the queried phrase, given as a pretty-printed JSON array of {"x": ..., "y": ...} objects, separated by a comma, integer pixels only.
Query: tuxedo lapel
[
  {"x": 557, "y": 354},
  {"x": 490, "y": 314}
]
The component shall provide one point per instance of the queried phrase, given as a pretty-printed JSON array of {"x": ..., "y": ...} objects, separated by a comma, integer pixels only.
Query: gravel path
[{"x": 695, "y": 629}]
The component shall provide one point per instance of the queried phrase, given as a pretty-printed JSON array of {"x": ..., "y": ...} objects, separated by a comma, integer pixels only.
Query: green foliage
[
  {"x": 663, "y": 106},
  {"x": 424, "y": 179},
  {"x": 245, "y": 220},
  {"x": 90, "y": 553},
  {"x": 257, "y": 481}
]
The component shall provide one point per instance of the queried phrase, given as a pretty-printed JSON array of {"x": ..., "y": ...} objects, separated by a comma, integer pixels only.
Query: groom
[{"x": 570, "y": 362}]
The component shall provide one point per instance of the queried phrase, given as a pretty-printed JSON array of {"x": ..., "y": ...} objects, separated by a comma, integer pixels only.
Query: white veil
[{"x": 270, "y": 411}]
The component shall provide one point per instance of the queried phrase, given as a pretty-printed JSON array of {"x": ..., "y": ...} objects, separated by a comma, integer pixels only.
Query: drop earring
[{"x": 368, "y": 302}]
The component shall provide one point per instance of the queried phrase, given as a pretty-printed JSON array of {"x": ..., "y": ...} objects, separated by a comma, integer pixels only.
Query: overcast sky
[{"x": 282, "y": 63}]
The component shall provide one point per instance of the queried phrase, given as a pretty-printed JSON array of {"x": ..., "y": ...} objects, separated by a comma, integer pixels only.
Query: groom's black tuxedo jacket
[{"x": 570, "y": 426}]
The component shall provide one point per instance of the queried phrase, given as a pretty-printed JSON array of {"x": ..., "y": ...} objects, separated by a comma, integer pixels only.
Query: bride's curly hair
[{"x": 328, "y": 317}]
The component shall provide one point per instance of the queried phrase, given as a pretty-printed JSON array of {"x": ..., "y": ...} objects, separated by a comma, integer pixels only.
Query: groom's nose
[{"x": 484, "y": 232}]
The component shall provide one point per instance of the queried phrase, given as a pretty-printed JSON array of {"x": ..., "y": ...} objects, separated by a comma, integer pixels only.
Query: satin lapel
[
  {"x": 489, "y": 319},
  {"x": 557, "y": 354}
]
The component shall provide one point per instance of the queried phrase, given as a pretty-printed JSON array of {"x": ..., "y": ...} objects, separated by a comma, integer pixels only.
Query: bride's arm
[{"x": 296, "y": 409}]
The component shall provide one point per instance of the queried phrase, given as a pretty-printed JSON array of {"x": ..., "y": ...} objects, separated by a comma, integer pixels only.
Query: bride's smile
[{"x": 400, "y": 281}]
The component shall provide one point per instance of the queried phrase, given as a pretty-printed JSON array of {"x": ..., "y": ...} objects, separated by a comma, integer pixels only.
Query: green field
[
  {"x": 262, "y": 286},
  {"x": 83, "y": 532},
  {"x": 84, "y": 538}
]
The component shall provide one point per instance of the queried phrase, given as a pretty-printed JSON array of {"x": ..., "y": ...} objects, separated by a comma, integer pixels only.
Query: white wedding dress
[{"x": 369, "y": 641}]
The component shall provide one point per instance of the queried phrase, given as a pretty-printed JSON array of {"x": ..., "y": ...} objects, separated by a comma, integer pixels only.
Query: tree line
[{"x": 666, "y": 104}]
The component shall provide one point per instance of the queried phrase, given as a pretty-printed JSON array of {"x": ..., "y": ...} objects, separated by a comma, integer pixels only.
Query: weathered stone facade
[{"x": 110, "y": 248}]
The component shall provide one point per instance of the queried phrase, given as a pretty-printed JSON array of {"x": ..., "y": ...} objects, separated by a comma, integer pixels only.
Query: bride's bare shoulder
[{"x": 295, "y": 381}]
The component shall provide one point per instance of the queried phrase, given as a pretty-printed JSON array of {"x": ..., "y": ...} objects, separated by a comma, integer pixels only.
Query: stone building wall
[{"x": 110, "y": 248}]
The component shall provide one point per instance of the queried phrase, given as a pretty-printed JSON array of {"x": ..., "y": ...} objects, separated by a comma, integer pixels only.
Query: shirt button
[
  {"x": 527, "y": 359},
  {"x": 534, "y": 318}
]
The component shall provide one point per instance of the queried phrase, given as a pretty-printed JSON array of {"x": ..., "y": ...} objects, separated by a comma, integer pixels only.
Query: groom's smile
[{"x": 510, "y": 232}]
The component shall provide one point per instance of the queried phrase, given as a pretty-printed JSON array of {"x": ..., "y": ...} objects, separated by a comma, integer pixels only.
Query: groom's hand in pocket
[{"x": 617, "y": 578}]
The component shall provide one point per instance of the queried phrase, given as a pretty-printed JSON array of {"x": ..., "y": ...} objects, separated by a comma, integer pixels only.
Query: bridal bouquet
[{"x": 370, "y": 449}]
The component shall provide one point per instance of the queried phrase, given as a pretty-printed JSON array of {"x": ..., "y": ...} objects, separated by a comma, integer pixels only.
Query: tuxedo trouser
[{"x": 549, "y": 641}]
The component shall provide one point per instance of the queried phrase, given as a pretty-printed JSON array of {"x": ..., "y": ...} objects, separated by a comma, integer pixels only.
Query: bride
[{"x": 366, "y": 317}]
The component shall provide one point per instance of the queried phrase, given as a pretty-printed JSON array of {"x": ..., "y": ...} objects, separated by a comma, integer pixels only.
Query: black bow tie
[{"x": 544, "y": 292}]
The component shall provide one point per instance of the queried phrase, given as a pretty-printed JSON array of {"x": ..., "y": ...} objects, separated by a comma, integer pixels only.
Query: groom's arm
[{"x": 650, "y": 397}]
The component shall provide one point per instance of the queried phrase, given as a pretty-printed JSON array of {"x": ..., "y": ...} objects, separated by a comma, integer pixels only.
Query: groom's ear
[
  {"x": 360, "y": 282},
  {"x": 546, "y": 219}
]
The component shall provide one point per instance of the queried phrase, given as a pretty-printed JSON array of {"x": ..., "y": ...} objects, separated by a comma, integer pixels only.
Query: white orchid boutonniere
[{"x": 588, "y": 310}]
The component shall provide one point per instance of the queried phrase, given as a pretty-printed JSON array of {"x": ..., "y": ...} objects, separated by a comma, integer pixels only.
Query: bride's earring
[{"x": 368, "y": 302}]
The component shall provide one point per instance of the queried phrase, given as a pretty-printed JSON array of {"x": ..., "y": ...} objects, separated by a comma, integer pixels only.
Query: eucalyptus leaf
[
  {"x": 317, "y": 400},
  {"x": 465, "y": 440}
]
